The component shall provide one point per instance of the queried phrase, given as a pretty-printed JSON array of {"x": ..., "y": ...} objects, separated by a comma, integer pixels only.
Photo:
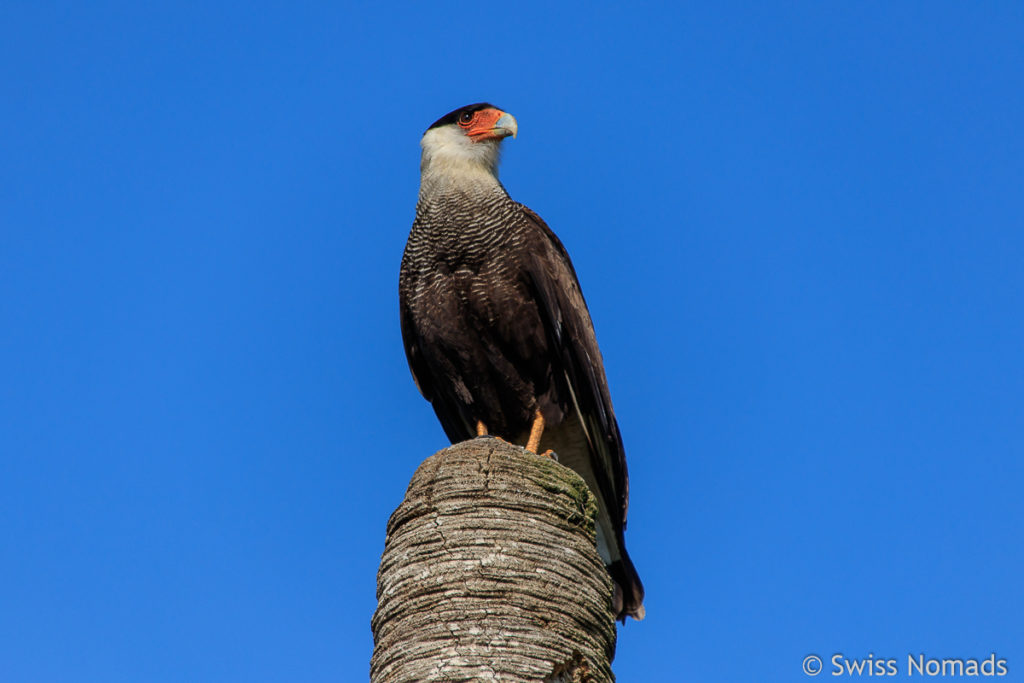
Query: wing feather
[
  {"x": 446, "y": 408},
  {"x": 571, "y": 335}
]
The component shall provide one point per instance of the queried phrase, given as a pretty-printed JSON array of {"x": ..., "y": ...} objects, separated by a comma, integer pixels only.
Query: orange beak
[{"x": 492, "y": 124}]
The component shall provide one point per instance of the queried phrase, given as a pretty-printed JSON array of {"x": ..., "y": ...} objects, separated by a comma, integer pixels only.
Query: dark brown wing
[
  {"x": 579, "y": 366},
  {"x": 447, "y": 412},
  {"x": 571, "y": 336}
]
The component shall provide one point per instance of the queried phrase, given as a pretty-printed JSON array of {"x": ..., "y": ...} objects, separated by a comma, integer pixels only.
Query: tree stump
[{"x": 490, "y": 572}]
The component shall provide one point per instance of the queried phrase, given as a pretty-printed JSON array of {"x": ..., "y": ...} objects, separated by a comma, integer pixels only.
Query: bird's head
[{"x": 467, "y": 140}]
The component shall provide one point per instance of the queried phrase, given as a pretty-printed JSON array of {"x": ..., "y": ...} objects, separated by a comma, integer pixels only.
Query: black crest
[{"x": 453, "y": 116}]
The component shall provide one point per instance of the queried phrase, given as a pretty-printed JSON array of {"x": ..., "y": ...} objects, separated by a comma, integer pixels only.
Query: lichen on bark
[{"x": 490, "y": 572}]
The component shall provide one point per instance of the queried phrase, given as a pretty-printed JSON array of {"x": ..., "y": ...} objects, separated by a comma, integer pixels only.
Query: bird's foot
[{"x": 549, "y": 454}]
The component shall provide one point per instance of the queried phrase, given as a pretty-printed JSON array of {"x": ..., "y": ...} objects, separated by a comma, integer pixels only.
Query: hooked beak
[
  {"x": 505, "y": 126},
  {"x": 493, "y": 124}
]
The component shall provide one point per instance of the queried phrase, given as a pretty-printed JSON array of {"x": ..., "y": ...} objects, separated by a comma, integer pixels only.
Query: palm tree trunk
[{"x": 490, "y": 572}]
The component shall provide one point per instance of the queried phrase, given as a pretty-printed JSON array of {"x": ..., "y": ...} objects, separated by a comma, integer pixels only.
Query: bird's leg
[
  {"x": 481, "y": 430},
  {"x": 536, "y": 429}
]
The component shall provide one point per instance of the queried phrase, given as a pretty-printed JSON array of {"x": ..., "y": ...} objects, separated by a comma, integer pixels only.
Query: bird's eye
[{"x": 465, "y": 117}]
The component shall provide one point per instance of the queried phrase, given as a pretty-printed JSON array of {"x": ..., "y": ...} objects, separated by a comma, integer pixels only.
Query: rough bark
[{"x": 490, "y": 572}]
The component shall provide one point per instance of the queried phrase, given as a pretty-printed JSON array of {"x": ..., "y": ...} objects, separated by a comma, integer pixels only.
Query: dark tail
[{"x": 628, "y": 599}]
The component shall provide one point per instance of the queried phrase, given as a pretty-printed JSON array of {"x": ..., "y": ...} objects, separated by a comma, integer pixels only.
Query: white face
[{"x": 447, "y": 149}]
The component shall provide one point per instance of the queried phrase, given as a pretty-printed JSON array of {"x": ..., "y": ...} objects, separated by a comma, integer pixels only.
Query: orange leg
[
  {"x": 481, "y": 430},
  {"x": 536, "y": 429}
]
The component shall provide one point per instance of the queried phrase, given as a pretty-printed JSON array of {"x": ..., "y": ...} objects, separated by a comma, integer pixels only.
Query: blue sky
[{"x": 798, "y": 227}]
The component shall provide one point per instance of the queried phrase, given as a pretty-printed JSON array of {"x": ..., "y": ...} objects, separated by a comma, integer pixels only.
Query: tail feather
[
  {"x": 569, "y": 441},
  {"x": 628, "y": 599}
]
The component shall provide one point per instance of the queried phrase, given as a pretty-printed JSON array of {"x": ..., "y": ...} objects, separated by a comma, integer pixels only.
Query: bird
[{"x": 497, "y": 333}]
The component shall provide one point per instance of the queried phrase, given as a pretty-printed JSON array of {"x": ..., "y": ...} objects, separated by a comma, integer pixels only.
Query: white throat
[{"x": 451, "y": 160}]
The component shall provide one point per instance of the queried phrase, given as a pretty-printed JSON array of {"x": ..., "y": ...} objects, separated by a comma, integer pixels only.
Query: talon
[
  {"x": 549, "y": 454},
  {"x": 491, "y": 436}
]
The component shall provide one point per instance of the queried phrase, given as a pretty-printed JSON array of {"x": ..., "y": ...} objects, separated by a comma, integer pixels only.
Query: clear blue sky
[{"x": 798, "y": 226}]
